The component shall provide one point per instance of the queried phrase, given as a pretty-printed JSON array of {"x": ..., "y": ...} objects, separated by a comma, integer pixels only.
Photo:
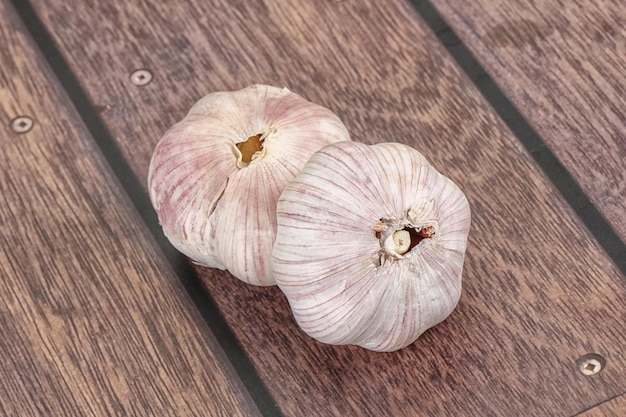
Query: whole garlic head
[
  {"x": 370, "y": 245},
  {"x": 215, "y": 177}
]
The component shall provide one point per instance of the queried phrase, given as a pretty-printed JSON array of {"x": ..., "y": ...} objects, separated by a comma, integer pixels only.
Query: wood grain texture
[
  {"x": 563, "y": 64},
  {"x": 93, "y": 322},
  {"x": 613, "y": 408},
  {"x": 538, "y": 292}
]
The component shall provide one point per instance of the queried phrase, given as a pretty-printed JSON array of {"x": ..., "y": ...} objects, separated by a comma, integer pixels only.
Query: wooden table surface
[{"x": 522, "y": 105}]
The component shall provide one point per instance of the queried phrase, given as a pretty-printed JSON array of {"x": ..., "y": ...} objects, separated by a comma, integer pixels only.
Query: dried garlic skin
[
  {"x": 215, "y": 177},
  {"x": 370, "y": 245}
]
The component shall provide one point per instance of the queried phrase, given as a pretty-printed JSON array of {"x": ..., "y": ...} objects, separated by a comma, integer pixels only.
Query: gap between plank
[
  {"x": 601, "y": 403},
  {"x": 562, "y": 180},
  {"x": 133, "y": 187}
]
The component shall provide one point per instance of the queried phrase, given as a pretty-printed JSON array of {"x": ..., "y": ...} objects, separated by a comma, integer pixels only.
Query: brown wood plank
[
  {"x": 613, "y": 408},
  {"x": 538, "y": 292},
  {"x": 93, "y": 322},
  {"x": 563, "y": 64}
]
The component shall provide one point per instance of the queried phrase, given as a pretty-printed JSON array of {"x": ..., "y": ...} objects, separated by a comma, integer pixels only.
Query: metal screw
[
  {"x": 22, "y": 124},
  {"x": 590, "y": 364},
  {"x": 141, "y": 77}
]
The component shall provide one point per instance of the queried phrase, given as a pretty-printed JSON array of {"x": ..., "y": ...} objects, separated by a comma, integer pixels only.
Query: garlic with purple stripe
[
  {"x": 215, "y": 177},
  {"x": 370, "y": 245}
]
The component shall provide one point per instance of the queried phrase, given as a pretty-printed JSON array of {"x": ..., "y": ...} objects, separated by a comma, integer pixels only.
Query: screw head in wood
[
  {"x": 22, "y": 124},
  {"x": 590, "y": 364},
  {"x": 141, "y": 77}
]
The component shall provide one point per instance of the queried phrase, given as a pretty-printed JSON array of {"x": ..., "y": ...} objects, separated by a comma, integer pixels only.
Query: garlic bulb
[
  {"x": 215, "y": 177},
  {"x": 370, "y": 245}
]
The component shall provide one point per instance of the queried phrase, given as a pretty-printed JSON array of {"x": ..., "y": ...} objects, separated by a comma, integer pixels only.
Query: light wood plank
[
  {"x": 93, "y": 322},
  {"x": 563, "y": 64},
  {"x": 538, "y": 291}
]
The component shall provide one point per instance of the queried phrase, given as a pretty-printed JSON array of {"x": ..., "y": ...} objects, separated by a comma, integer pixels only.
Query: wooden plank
[
  {"x": 613, "y": 408},
  {"x": 563, "y": 64},
  {"x": 93, "y": 322},
  {"x": 538, "y": 291}
]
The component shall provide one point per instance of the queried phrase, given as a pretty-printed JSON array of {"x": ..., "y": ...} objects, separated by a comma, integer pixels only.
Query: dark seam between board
[
  {"x": 565, "y": 184},
  {"x": 204, "y": 303},
  {"x": 601, "y": 403}
]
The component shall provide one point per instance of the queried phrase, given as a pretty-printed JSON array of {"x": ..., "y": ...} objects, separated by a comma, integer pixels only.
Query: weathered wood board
[
  {"x": 539, "y": 293},
  {"x": 93, "y": 321},
  {"x": 615, "y": 407},
  {"x": 563, "y": 64}
]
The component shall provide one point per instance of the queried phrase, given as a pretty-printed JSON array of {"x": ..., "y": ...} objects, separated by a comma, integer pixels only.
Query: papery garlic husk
[
  {"x": 215, "y": 177},
  {"x": 370, "y": 245}
]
